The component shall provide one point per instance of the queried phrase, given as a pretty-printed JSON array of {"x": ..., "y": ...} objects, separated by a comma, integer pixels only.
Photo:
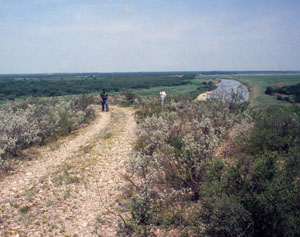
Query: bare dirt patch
[{"x": 203, "y": 96}]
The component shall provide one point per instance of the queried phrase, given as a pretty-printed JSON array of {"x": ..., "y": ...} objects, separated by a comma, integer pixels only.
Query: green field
[{"x": 190, "y": 90}]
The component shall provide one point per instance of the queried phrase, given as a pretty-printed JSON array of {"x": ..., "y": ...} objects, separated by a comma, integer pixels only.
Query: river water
[{"x": 227, "y": 87}]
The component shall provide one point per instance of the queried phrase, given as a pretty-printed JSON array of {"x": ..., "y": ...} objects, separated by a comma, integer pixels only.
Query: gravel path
[{"x": 71, "y": 189}]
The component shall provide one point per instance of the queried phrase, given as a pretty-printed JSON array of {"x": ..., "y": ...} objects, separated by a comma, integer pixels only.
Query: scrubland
[
  {"x": 36, "y": 121},
  {"x": 214, "y": 169},
  {"x": 209, "y": 168}
]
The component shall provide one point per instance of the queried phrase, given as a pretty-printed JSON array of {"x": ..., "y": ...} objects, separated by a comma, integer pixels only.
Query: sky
[{"x": 47, "y": 36}]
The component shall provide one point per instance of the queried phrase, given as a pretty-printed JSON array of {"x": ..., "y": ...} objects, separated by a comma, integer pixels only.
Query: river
[{"x": 226, "y": 87}]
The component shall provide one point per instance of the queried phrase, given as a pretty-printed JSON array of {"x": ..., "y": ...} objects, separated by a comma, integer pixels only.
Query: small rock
[{"x": 85, "y": 224}]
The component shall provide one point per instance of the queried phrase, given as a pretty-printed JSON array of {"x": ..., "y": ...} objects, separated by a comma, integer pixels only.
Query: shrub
[
  {"x": 269, "y": 90},
  {"x": 276, "y": 129},
  {"x": 256, "y": 193},
  {"x": 254, "y": 197},
  {"x": 34, "y": 121},
  {"x": 173, "y": 148},
  {"x": 297, "y": 98},
  {"x": 130, "y": 98}
]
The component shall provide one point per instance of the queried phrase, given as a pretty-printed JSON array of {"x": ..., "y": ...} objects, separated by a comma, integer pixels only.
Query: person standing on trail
[
  {"x": 162, "y": 95},
  {"x": 104, "y": 99}
]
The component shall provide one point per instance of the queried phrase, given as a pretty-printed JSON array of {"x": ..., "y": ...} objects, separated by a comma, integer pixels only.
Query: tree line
[
  {"x": 12, "y": 87},
  {"x": 292, "y": 92}
]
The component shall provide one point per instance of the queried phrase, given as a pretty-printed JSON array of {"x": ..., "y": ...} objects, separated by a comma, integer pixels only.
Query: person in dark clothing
[{"x": 104, "y": 100}]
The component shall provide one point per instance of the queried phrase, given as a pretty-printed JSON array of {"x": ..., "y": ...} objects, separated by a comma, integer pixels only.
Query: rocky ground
[{"x": 70, "y": 187}]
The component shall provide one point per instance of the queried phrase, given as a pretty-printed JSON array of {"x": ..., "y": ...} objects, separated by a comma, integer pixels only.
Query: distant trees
[
  {"x": 58, "y": 85},
  {"x": 293, "y": 91},
  {"x": 269, "y": 90}
]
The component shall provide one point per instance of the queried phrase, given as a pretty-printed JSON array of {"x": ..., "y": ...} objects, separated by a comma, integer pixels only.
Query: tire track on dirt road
[{"x": 67, "y": 192}]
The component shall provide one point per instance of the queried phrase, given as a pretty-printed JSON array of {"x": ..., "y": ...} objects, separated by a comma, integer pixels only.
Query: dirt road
[{"x": 70, "y": 188}]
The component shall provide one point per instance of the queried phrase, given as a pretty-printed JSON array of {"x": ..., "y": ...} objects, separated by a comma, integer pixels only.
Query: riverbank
[
  {"x": 224, "y": 89},
  {"x": 205, "y": 95}
]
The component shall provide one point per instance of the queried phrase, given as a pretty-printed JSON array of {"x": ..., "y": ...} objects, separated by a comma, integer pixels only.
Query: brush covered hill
[{"x": 214, "y": 169}]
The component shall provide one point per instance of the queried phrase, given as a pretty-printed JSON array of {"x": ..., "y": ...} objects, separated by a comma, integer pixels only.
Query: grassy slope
[{"x": 195, "y": 86}]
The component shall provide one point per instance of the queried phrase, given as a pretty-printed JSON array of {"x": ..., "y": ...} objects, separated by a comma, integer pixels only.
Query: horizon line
[{"x": 184, "y": 71}]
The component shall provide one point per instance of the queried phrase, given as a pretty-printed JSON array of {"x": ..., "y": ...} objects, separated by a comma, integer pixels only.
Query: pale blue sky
[{"x": 148, "y": 35}]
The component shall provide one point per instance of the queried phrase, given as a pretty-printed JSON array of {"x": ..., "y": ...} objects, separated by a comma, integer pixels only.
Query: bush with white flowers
[{"x": 36, "y": 120}]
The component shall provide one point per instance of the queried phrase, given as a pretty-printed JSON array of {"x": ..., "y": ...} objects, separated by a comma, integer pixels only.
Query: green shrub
[
  {"x": 256, "y": 193},
  {"x": 276, "y": 129},
  {"x": 297, "y": 98},
  {"x": 173, "y": 148},
  {"x": 269, "y": 90},
  {"x": 130, "y": 98}
]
